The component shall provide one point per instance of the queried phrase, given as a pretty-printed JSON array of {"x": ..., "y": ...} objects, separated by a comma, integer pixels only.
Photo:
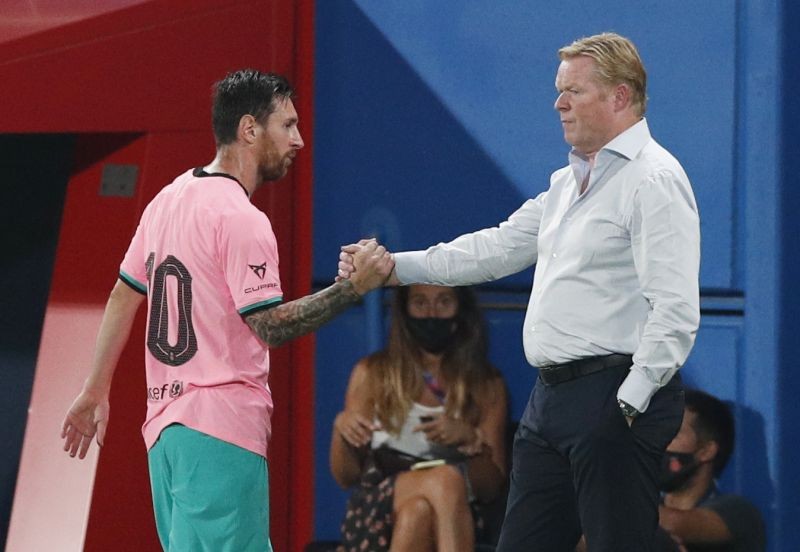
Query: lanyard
[{"x": 434, "y": 386}]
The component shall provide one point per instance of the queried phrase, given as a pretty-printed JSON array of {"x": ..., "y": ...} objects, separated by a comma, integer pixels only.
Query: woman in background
[{"x": 431, "y": 395}]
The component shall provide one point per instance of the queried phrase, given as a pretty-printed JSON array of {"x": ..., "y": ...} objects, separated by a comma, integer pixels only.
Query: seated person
[
  {"x": 693, "y": 512},
  {"x": 431, "y": 394}
]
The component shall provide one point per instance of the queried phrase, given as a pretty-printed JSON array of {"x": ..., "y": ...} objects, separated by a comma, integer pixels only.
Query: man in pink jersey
[{"x": 206, "y": 260}]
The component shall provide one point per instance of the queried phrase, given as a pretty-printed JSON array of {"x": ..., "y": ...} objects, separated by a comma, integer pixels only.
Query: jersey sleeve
[
  {"x": 133, "y": 270},
  {"x": 249, "y": 254}
]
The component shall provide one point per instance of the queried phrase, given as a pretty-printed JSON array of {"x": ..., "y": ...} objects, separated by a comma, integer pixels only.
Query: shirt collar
[
  {"x": 200, "y": 172},
  {"x": 627, "y": 144},
  {"x": 711, "y": 493},
  {"x": 631, "y": 141}
]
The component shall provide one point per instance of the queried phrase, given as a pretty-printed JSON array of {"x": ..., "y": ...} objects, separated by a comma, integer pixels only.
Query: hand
[
  {"x": 354, "y": 428},
  {"x": 347, "y": 265},
  {"x": 372, "y": 266},
  {"x": 668, "y": 521},
  {"x": 444, "y": 430},
  {"x": 87, "y": 417},
  {"x": 476, "y": 446}
]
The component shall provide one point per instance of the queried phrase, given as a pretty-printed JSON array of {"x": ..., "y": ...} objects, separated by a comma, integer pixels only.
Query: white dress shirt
[{"x": 617, "y": 267}]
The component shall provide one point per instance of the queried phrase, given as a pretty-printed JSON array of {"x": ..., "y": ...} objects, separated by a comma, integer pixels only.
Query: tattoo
[{"x": 278, "y": 325}]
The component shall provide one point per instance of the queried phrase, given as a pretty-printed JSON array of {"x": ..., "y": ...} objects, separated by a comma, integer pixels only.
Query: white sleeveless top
[{"x": 415, "y": 442}]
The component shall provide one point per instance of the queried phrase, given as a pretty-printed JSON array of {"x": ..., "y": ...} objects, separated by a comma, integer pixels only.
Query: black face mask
[
  {"x": 677, "y": 468},
  {"x": 433, "y": 334}
]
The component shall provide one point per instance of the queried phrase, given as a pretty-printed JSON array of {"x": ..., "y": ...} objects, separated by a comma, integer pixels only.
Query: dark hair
[
  {"x": 245, "y": 92},
  {"x": 465, "y": 367},
  {"x": 714, "y": 422}
]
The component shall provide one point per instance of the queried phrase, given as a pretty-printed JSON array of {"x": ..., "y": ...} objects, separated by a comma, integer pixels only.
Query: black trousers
[{"x": 579, "y": 468}]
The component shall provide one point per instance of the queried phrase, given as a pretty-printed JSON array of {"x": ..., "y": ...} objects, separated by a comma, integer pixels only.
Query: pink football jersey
[{"x": 205, "y": 256}]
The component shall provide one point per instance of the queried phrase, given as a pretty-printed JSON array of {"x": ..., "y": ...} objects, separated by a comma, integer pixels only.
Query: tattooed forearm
[{"x": 284, "y": 322}]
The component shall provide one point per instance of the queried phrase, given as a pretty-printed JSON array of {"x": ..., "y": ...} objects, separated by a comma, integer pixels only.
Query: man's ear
[
  {"x": 622, "y": 96},
  {"x": 247, "y": 129},
  {"x": 708, "y": 451}
]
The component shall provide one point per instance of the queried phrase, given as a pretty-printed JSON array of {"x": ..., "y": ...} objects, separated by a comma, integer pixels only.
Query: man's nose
[
  {"x": 297, "y": 140},
  {"x": 560, "y": 103}
]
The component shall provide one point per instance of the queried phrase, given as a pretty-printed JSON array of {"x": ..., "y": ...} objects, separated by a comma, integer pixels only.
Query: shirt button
[{"x": 555, "y": 255}]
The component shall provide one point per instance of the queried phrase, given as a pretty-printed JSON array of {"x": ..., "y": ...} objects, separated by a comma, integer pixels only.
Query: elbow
[
  {"x": 273, "y": 341},
  {"x": 343, "y": 479},
  {"x": 679, "y": 315},
  {"x": 266, "y": 332},
  {"x": 269, "y": 335},
  {"x": 343, "y": 483},
  {"x": 345, "y": 471}
]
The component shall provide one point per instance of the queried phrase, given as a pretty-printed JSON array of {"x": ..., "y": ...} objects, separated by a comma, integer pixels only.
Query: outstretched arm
[
  {"x": 295, "y": 318},
  {"x": 88, "y": 415},
  {"x": 482, "y": 256}
]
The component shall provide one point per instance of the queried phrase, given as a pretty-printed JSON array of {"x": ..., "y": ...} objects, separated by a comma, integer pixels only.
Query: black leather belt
[{"x": 559, "y": 373}]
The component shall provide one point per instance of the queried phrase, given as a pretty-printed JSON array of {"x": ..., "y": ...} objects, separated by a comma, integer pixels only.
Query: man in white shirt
[{"x": 612, "y": 315}]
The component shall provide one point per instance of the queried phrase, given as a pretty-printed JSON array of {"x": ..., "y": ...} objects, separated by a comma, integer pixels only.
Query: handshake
[{"x": 367, "y": 265}]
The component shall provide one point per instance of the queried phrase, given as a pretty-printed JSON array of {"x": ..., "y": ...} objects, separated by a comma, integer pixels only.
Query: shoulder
[
  {"x": 560, "y": 177},
  {"x": 493, "y": 390},
  {"x": 654, "y": 177},
  {"x": 732, "y": 505},
  {"x": 657, "y": 164},
  {"x": 246, "y": 217},
  {"x": 236, "y": 215},
  {"x": 742, "y": 519},
  {"x": 367, "y": 368}
]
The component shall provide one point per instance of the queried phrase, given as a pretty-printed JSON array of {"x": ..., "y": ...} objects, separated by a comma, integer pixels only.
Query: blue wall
[
  {"x": 436, "y": 118},
  {"x": 788, "y": 165}
]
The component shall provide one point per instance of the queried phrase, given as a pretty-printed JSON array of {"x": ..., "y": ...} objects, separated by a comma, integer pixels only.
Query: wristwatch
[{"x": 627, "y": 409}]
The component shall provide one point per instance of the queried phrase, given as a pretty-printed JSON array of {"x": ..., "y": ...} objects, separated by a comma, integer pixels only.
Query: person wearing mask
[
  {"x": 693, "y": 510},
  {"x": 430, "y": 398}
]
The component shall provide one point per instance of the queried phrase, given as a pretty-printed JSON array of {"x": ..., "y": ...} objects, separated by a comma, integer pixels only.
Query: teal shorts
[{"x": 208, "y": 495}]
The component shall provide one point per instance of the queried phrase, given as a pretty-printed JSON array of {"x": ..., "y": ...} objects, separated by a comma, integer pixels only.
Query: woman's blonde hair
[
  {"x": 395, "y": 378},
  {"x": 617, "y": 62}
]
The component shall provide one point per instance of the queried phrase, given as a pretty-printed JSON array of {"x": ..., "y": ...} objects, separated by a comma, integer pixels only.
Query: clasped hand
[{"x": 368, "y": 261}]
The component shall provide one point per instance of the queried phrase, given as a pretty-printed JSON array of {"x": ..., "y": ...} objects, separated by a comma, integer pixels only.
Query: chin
[{"x": 274, "y": 174}]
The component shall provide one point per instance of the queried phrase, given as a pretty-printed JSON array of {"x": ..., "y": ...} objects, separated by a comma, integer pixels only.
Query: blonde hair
[{"x": 617, "y": 62}]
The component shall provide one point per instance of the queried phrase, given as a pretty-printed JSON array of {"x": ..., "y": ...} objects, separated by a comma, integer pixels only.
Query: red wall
[{"x": 135, "y": 86}]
